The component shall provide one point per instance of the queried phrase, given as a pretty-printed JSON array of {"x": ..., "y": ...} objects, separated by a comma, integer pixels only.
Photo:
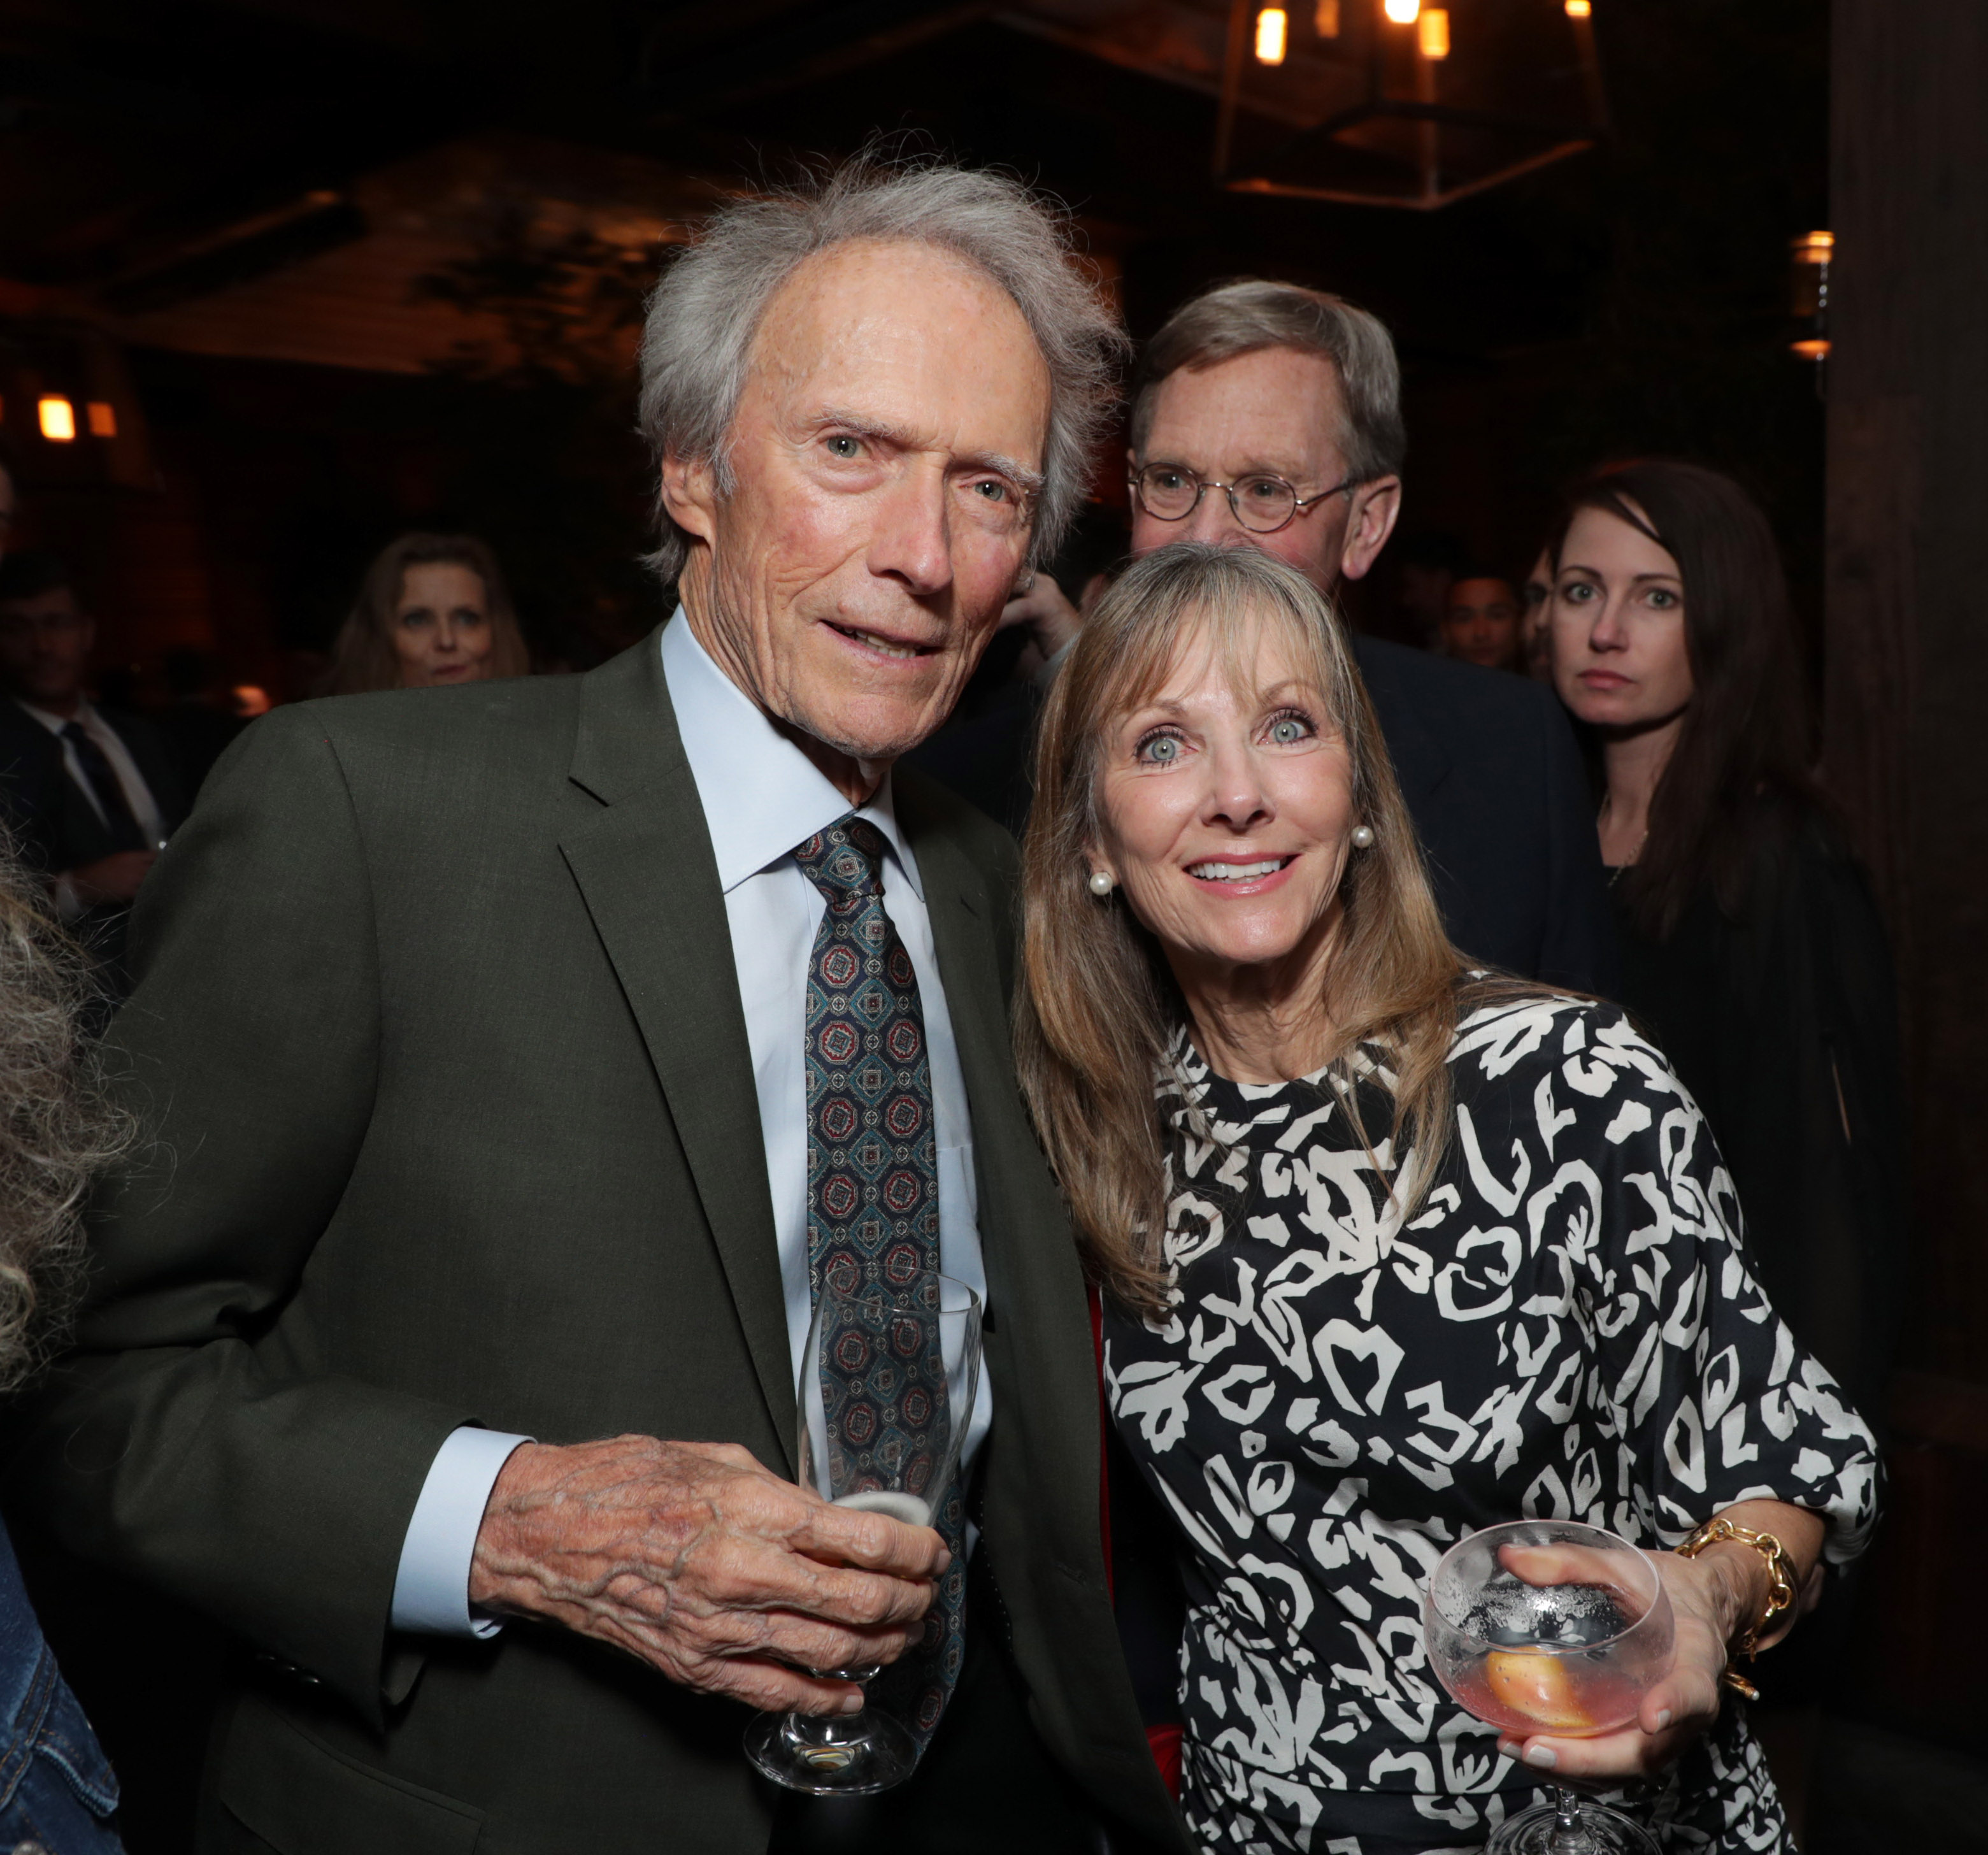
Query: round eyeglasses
[{"x": 1261, "y": 503}]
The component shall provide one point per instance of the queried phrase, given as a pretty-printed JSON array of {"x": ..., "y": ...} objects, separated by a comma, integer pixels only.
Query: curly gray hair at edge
[
  {"x": 57, "y": 1130},
  {"x": 697, "y": 341},
  {"x": 1253, "y": 314}
]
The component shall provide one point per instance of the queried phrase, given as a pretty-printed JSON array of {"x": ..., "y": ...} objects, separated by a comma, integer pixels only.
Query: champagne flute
[
  {"x": 1550, "y": 1626},
  {"x": 888, "y": 1379}
]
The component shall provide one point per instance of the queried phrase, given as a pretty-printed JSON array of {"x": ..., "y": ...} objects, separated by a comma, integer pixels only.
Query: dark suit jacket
[
  {"x": 439, "y": 1038},
  {"x": 56, "y": 824},
  {"x": 1488, "y": 764},
  {"x": 56, "y": 827},
  {"x": 1492, "y": 778}
]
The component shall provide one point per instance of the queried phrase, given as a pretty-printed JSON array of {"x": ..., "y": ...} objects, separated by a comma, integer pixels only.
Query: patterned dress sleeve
[{"x": 1709, "y": 1399}]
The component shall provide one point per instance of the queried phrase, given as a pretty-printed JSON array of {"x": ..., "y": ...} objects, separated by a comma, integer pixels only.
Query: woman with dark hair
[
  {"x": 432, "y": 610},
  {"x": 1390, "y": 1249},
  {"x": 57, "y": 1793},
  {"x": 1751, "y": 949}
]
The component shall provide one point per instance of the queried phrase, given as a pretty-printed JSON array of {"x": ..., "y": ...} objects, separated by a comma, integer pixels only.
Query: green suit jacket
[{"x": 449, "y": 1118}]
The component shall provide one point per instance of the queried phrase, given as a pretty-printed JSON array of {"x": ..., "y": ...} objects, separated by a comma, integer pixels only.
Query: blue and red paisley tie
[{"x": 873, "y": 1220}]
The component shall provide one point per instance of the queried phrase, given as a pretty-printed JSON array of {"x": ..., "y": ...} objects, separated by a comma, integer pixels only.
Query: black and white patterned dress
[{"x": 1566, "y": 1327}]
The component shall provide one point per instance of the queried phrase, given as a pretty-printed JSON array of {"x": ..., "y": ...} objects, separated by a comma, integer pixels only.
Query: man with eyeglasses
[
  {"x": 1267, "y": 415},
  {"x": 91, "y": 795}
]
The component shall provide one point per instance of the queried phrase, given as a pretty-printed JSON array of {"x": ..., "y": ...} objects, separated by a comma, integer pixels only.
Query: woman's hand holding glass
[{"x": 1713, "y": 1599}]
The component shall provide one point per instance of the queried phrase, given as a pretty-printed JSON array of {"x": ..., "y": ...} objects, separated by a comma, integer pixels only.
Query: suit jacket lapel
[{"x": 644, "y": 864}]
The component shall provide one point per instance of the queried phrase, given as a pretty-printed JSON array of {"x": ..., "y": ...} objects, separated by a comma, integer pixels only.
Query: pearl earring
[
  {"x": 1101, "y": 883},
  {"x": 1363, "y": 836}
]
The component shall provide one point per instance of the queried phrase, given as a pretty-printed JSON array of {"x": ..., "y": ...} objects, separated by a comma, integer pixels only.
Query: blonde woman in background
[
  {"x": 432, "y": 611},
  {"x": 1391, "y": 1249}
]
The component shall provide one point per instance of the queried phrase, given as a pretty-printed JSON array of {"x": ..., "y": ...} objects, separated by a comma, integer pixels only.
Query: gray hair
[
  {"x": 1255, "y": 313},
  {"x": 58, "y": 1131},
  {"x": 698, "y": 340}
]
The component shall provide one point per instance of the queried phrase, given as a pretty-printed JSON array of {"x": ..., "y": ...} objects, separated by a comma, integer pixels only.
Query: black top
[
  {"x": 1783, "y": 1024},
  {"x": 1566, "y": 1327},
  {"x": 1493, "y": 780}
]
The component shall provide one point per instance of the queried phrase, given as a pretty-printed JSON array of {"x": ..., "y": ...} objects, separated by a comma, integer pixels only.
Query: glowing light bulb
[
  {"x": 1325, "y": 18},
  {"x": 1402, "y": 12},
  {"x": 1579, "y": 9},
  {"x": 1433, "y": 33},
  {"x": 1272, "y": 29},
  {"x": 58, "y": 419},
  {"x": 102, "y": 417}
]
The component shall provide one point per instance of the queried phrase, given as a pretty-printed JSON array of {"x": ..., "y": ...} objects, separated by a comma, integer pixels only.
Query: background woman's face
[
  {"x": 1226, "y": 812},
  {"x": 1619, "y": 657},
  {"x": 442, "y": 625}
]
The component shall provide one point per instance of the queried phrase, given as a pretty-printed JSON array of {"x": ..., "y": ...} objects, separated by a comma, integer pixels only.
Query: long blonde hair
[
  {"x": 1098, "y": 1008},
  {"x": 364, "y": 659}
]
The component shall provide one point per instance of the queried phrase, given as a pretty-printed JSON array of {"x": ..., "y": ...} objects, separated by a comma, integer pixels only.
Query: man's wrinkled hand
[{"x": 694, "y": 1558}]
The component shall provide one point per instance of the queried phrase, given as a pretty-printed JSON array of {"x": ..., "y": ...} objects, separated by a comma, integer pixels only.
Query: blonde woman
[
  {"x": 432, "y": 611},
  {"x": 1390, "y": 1251}
]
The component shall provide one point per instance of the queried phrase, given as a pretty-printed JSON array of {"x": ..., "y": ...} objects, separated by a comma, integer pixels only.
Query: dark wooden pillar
[
  {"x": 1906, "y": 742},
  {"x": 1906, "y": 752}
]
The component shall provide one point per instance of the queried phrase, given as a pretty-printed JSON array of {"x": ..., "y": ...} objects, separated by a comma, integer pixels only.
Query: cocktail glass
[
  {"x": 899, "y": 1461},
  {"x": 1550, "y": 1627}
]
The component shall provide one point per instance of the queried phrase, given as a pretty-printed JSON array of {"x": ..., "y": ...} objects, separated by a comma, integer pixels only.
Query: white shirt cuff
[{"x": 431, "y": 1590}]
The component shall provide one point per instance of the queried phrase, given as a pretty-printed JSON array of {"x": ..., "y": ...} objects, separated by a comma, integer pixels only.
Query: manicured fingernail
[
  {"x": 1544, "y": 1757},
  {"x": 1663, "y": 1718}
]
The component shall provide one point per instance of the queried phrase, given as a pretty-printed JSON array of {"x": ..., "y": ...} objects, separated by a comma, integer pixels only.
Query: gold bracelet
[{"x": 1780, "y": 1595}]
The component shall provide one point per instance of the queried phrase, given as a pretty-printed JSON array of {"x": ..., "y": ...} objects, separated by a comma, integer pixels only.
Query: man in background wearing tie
[
  {"x": 91, "y": 794},
  {"x": 444, "y": 1343}
]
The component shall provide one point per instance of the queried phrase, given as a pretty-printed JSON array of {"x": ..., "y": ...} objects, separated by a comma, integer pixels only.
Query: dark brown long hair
[
  {"x": 1740, "y": 767},
  {"x": 364, "y": 658}
]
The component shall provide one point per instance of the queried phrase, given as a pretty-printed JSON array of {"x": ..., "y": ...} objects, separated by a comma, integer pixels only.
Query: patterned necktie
[
  {"x": 102, "y": 777},
  {"x": 872, "y": 1208}
]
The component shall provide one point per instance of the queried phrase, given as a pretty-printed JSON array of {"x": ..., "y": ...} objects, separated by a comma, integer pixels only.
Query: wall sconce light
[
  {"x": 58, "y": 419},
  {"x": 101, "y": 417},
  {"x": 1272, "y": 30},
  {"x": 1402, "y": 12},
  {"x": 1808, "y": 279},
  {"x": 1325, "y": 18},
  {"x": 1433, "y": 33},
  {"x": 1579, "y": 9}
]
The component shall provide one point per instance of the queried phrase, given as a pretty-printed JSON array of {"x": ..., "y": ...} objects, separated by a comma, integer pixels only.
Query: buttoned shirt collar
[{"x": 761, "y": 795}]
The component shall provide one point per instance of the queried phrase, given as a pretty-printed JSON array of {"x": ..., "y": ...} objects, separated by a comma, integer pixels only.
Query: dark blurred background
[{"x": 313, "y": 272}]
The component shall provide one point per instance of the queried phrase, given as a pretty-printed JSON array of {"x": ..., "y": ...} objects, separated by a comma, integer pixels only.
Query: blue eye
[
  {"x": 1159, "y": 750},
  {"x": 1288, "y": 730},
  {"x": 843, "y": 445}
]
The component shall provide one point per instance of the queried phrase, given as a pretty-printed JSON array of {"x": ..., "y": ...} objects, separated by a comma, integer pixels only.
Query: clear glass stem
[{"x": 1568, "y": 1838}]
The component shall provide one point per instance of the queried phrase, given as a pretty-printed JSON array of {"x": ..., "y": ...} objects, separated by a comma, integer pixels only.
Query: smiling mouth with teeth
[
  {"x": 1237, "y": 872},
  {"x": 883, "y": 646}
]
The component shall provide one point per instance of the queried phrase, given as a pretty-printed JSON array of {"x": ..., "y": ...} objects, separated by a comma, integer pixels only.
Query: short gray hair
[
  {"x": 706, "y": 310},
  {"x": 1254, "y": 314}
]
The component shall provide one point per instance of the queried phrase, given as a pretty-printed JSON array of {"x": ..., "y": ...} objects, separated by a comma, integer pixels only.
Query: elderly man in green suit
[{"x": 443, "y": 1339}]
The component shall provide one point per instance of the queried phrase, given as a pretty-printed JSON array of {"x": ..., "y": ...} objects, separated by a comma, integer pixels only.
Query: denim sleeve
[{"x": 57, "y": 1790}]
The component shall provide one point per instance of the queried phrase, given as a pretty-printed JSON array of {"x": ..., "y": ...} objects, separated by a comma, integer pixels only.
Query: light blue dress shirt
[{"x": 761, "y": 796}]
